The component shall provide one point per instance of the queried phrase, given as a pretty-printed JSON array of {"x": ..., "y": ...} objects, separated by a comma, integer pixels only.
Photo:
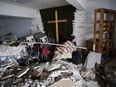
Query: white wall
[
  {"x": 18, "y": 26},
  {"x": 91, "y": 5},
  {"x": 18, "y": 20},
  {"x": 2, "y": 32},
  {"x": 18, "y": 11}
]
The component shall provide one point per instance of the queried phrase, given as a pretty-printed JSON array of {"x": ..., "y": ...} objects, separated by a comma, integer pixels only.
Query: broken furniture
[
  {"x": 10, "y": 54},
  {"x": 40, "y": 37},
  {"x": 89, "y": 44},
  {"x": 48, "y": 73}
]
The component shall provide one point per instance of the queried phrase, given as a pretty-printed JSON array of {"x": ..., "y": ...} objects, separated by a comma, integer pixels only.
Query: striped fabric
[{"x": 68, "y": 48}]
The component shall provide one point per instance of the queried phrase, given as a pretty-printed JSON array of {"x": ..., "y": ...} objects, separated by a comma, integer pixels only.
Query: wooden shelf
[
  {"x": 104, "y": 31},
  {"x": 110, "y": 40},
  {"x": 104, "y": 25},
  {"x": 105, "y": 40},
  {"x": 98, "y": 21}
]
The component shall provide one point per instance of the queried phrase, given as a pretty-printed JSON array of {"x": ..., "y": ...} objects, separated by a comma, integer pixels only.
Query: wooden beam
[{"x": 58, "y": 21}]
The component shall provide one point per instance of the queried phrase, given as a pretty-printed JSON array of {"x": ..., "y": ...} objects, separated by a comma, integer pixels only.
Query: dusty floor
[{"x": 112, "y": 63}]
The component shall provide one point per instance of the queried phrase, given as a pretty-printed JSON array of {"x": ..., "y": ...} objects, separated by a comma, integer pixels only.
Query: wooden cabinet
[
  {"x": 89, "y": 44},
  {"x": 104, "y": 25}
]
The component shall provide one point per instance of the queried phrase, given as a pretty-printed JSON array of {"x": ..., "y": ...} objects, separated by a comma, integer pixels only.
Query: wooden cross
[{"x": 56, "y": 21}]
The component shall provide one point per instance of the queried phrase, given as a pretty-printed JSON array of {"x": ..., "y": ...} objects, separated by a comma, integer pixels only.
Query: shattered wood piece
[
  {"x": 59, "y": 72},
  {"x": 3, "y": 69},
  {"x": 22, "y": 72},
  {"x": 6, "y": 77},
  {"x": 53, "y": 67},
  {"x": 36, "y": 67},
  {"x": 91, "y": 75},
  {"x": 15, "y": 70},
  {"x": 35, "y": 73},
  {"x": 42, "y": 67},
  {"x": 88, "y": 72},
  {"x": 63, "y": 83}
]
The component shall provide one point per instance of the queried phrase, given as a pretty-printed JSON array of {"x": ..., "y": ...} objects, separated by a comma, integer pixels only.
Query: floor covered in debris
[{"x": 57, "y": 72}]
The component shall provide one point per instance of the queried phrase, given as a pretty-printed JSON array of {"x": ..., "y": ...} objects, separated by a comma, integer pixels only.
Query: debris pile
[
  {"x": 105, "y": 76},
  {"x": 58, "y": 72},
  {"x": 44, "y": 75}
]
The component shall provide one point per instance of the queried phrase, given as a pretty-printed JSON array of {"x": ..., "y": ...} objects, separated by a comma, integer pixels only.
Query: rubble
[
  {"x": 55, "y": 73},
  {"x": 47, "y": 74},
  {"x": 105, "y": 76}
]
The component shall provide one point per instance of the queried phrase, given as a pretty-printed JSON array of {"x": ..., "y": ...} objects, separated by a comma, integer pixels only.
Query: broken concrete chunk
[{"x": 63, "y": 83}]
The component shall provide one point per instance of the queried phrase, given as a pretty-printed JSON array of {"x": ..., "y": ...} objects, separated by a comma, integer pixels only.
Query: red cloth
[{"x": 45, "y": 51}]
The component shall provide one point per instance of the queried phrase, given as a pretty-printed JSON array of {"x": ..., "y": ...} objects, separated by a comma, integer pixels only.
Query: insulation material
[
  {"x": 81, "y": 27},
  {"x": 37, "y": 25},
  {"x": 90, "y": 24}
]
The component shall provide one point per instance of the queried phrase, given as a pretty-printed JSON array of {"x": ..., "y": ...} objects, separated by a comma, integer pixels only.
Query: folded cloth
[{"x": 67, "y": 49}]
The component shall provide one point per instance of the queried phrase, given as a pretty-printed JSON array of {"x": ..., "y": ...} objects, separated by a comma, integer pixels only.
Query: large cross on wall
[{"x": 56, "y": 21}]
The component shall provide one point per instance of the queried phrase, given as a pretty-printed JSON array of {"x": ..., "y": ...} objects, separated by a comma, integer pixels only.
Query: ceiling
[
  {"x": 43, "y": 4},
  {"x": 37, "y": 4}
]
